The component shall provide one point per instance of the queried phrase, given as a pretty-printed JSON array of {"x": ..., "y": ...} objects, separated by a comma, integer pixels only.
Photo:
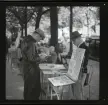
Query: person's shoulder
[
  {"x": 28, "y": 39},
  {"x": 83, "y": 45}
]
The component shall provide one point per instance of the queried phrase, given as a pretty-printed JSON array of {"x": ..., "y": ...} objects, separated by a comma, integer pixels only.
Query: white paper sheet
[
  {"x": 61, "y": 80},
  {"x": 51, "y": 66},
  {"x": 75, "y": 63}
]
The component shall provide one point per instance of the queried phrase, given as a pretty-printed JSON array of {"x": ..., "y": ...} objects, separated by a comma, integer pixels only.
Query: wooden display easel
[{"x": 71, "y": 77}]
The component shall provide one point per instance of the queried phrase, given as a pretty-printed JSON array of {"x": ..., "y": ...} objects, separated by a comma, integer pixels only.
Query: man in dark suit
[
  {"x": 30, "y": 62},
  {"x": 77, "y": 40}
]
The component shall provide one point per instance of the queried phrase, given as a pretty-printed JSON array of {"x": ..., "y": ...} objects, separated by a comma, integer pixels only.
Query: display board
[{"x": 73, "y": 70}]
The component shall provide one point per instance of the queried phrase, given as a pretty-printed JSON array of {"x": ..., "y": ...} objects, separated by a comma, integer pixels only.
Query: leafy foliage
[
  {"x": 63, "y": 16},
  {"x": 82, "y": 17},
  {"x": 82, "y": 14}
]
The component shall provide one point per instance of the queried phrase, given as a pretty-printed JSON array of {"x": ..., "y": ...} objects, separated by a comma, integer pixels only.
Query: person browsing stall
[
  {"x": 31, "y": 60},
  {"x": 77, "y": 40},
  {"x": 53, "y": 55}
]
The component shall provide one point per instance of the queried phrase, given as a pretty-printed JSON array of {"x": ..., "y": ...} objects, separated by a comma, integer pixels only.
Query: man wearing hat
[
  {"x": 77, "y": 40},
  {"x": 31, "y": 60}
]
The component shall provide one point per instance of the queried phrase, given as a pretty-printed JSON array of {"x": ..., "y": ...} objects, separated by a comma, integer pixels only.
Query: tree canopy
[{"x": 85, "y": 19}]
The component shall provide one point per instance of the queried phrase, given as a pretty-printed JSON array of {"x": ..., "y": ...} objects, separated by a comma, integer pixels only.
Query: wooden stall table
[{"x": 50, "y": 70}]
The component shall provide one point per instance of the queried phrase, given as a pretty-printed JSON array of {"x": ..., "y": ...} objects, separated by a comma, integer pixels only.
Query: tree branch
[
  {"x": 34, "y": 10},
  {"x": 92, "y": 11},
  {"x": 18, "y": 17},
  {"x": 35, "y": 15},
  {"x": 45, "y": 11},
  {"x": 9, "y": 21},
  {"x": 30, "y": 17}
]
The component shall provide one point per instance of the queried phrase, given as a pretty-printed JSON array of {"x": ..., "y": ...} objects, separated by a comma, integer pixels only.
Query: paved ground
[
  {"x": 14, "y": 83},
  {"x": 94, "y": 84}
]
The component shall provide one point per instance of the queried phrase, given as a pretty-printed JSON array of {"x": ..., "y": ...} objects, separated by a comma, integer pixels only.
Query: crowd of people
[{"x": 32, "y": 53}]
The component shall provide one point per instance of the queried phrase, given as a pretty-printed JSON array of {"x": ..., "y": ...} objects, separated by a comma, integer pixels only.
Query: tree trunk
[
  {"x": 21, "y": 24},
  {"x": 87, "y": 21},
  {"x": 38, "y": 18},
  {"x": 95, "y": 26},
  {"x": 25, "y": 21},
  {"x": 71, "y": 23},
  {"x": 21, "y": 31},
  {"x": 54, "y": 26}
]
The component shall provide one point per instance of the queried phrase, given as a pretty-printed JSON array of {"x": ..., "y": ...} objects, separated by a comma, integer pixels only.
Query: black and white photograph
[{"x": 52, "y": 52}]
